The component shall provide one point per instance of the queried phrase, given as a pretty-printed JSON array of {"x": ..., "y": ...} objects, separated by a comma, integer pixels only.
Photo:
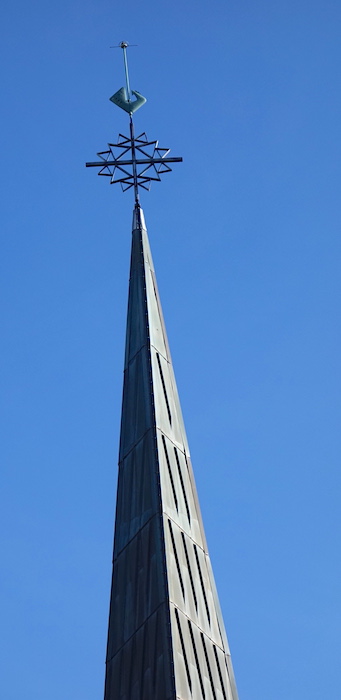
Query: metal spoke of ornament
[{"x": 132, "y": 161}]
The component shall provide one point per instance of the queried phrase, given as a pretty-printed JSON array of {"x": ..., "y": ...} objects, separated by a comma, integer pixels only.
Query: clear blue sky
[{"x": 246, "y": 241}]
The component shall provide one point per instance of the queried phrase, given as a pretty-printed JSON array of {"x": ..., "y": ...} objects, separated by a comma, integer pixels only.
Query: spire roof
[{"x": 166, "y": 637}]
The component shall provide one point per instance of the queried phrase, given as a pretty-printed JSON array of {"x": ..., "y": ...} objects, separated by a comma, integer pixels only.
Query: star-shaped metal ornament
[
  {"x": 134, "y": 161},
  {"x": 119, "y": 160}
]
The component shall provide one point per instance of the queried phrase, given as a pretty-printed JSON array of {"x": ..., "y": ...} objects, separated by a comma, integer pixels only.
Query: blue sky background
[{"x": 246, "y": 242}]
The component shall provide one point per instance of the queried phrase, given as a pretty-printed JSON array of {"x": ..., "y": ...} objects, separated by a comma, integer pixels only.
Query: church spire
[{"x": 166, "y": 637}]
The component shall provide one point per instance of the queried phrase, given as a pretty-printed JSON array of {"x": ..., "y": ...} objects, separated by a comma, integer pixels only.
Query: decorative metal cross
[{"x": 133, "y": 161}]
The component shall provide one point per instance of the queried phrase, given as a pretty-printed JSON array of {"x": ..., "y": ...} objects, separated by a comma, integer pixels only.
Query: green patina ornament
[{"x": 120, "y": 99}]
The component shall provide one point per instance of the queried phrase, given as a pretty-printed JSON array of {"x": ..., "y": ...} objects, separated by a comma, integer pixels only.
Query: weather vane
[{"x": 133, "y": 160}]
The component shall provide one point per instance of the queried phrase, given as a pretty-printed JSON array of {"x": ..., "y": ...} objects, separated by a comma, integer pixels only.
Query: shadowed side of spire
[
  {"x": 139, "y": 655},
  {"x": 166, "y": 636}
]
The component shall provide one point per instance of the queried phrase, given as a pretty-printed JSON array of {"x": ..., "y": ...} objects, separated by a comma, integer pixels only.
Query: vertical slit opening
[
  {"x": 189, "y": 680},
  {"x": 182, "y": 485},
  {"x": 157, "y": 302},
  {"x": 164, "y": 387},
  {"x": 227, "y": 668},
  {"x": 186, "y": 460},
  {"x": 219, "y": 672},
  {"x": 176, "y": 559},
  {"x": 196, "y": 659},
  {"x": 208, "y": 666},
  {"x": 189, "y": 571},
  {"x": 202, "y": 584},
  {"x": 170, "y": 472}
]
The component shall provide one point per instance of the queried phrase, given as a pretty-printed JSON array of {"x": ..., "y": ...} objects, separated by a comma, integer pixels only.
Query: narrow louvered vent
[
  {"x": 202, "y": 584},
  {"x": 182, "y": 485},
  {"x": 219, "y": 672},
  {"x": 208, "y": 666},
  {"x": 170, "y": 472},
  {"x": 176, "y": 559},
  {"x": 164, "y": 387},
  {"x": 196, "y": 659},
  {"x": 189, "y": 571},
  {"x": 183, "y": 648}
]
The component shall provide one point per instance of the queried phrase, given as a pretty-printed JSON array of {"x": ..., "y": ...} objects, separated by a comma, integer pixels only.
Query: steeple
[{"x": 166, "y": 637}]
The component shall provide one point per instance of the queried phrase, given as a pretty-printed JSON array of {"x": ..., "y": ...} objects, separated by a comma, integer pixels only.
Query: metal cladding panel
[
  {"x": 137, "y": 415},
  {"x": 179, "y": 500},
  {"x": 166, "y": 415},
  {"x": 138, "y": 587},
  {"x": 158, "y": 337},
  {"x": 189, "y": 581},
  {"x": 137, "y": 492},
  {"x": 137, "y": 329},
  {"x": 159, "y": 346},
  {"x": 141, "y": 668},
  {"x": 200, "y": 666}
]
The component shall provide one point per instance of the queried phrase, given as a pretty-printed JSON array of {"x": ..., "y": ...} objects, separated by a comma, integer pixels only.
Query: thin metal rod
[
  {"x": 133, "y": 157},
  {"x": 124, "y": 47},
  {"x": 138, "y": 161}
]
